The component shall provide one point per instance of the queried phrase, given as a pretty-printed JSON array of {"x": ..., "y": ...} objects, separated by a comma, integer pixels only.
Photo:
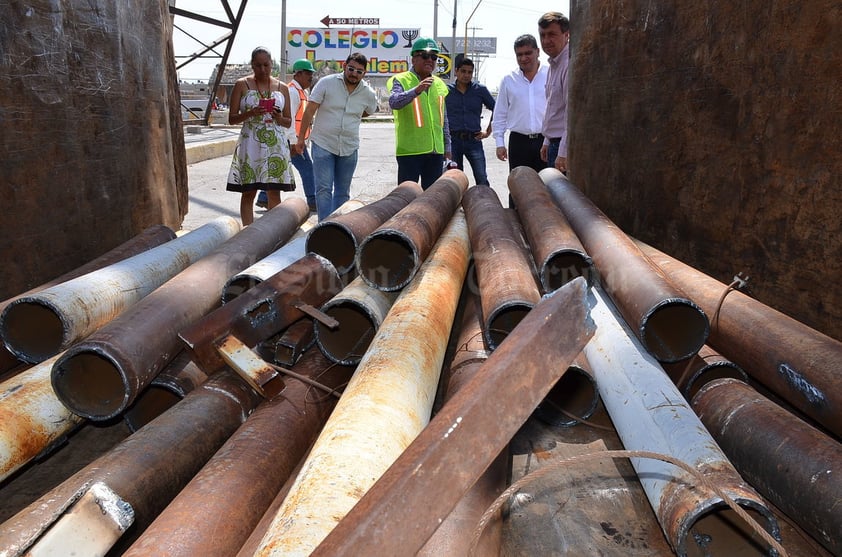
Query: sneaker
[{"x": 312, "y": 207}]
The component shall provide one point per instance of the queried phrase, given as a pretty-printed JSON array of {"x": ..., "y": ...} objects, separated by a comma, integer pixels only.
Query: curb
[{"x": 210, "y": 150}]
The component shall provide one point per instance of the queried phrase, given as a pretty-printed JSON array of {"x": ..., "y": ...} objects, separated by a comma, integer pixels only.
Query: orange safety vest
[{"x": 302, "y": 106}]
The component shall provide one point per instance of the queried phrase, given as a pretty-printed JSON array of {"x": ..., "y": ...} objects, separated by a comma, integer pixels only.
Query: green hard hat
[
  {"x": 303, "y": 64},
  {"x": 424, "y": 44}
]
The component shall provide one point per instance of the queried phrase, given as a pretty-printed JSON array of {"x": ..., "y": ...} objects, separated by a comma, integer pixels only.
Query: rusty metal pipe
[
  {"x": 360, "y": 310},
  {"x": 144, "y": 470},
  {"x": 650, "y": 414},
  {"x": 38, "y": 326},
  {"x": 504, "y": 275},
  {"x": 788, "y": 461},
  {"x": 558, "y": 253},
  {"x": 276, "y": 261},
  {"x": 338, "y": 237},
  {"x": 797, "y": 363},
  {"x": 147, "y": 239},
  {"x": 573, "y": 398},
  {"x": 215, "y": 513},
  {"x": 400, "y": 512},
  {"x": 291, "y": 344},
  {"x": 670, "y": 325},
  {"x": 390, "y": 256},
  {"x": 707, "y": 365},
  {"x": 101, "y": 376},
  {"x": 386, "y": 404}
]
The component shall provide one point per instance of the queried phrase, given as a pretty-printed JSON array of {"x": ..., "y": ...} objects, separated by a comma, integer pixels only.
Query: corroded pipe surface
[
  {"x": 797, "y": 363},
  {"x": 573, "y": 398},
  {"x": 144, "y": 470},
  {"x": 789, "y": 462},
  {"x": 276, "y": 261},
  {"x": 506, "y": 284},
  {"x": 215, "y": 513},
  {"x": 707, "y": 365},
  {"x": 101, "y": 376},
  {"x": 390, "y": 256},
  {"x": 386, "y": 404},
  {"x": 291, "y": 344},
  {"x": 263, "y": 310},
  {"x": 338, "y": 237},
  {"x": 670, "y": 325},
  {"x": 650, "y": 414},
  {"x": 404, "y": 507},
  {"x": 360, "y": 310},
  {"x": 558, "y": 253},
  {"x": 40, "y": 325}
]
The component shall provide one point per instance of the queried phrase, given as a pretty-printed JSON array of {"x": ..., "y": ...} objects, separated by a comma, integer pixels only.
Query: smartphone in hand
[{"x": 267, "y": 104}]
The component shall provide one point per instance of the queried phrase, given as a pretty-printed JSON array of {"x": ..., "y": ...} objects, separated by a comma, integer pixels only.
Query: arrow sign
[{"x": 327, "y": 21}]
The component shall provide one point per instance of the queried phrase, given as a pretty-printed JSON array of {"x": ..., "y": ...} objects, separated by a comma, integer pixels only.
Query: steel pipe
[
  {"x": 386, "y": 404},
  {"x": 670, "y": 325},
  {"x": 573, "y": 398},
  {"x": 215, "y": 513},
  {"x": 289, "y": 345},
  {"x": 504, "y": 275},
  {"x": 400, "y": 512},
  {"x": 144, "y": 470},
  {"x": 797, "y": 363},
  {"x": 789, "y": 462},
  {"x": 704, "y": 367},
  {"x": 650, "y": 414},
  {"x": 338, "y": 237},
  {"x": 390, "y": 256},
  {"x": 559, "y": 255},
  {"x": 360, "y": 310},
  {"x": 276, "y": 261},
  {"x": 101, "y": 376},
  {"x": 38, "y": 326}
]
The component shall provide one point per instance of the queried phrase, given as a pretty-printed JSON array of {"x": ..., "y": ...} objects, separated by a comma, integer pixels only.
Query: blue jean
[
  {"x": 333, "y": 176},
  {"x": 426, "y": 167},
  {"x": 304, "y": 164},
  {"x": 552, "y": 152},
  {"x": 472, "y": 150}
]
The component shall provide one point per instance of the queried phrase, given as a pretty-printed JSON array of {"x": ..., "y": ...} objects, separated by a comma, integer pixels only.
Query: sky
[{"x": 261, "y": 26}]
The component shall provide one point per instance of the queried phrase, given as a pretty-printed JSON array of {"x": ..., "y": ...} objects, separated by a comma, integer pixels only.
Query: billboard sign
[{"x": 476, "y": 45}]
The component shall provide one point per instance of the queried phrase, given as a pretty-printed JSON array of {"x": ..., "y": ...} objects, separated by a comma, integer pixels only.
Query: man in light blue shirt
[{"x": 342, "y": 101}]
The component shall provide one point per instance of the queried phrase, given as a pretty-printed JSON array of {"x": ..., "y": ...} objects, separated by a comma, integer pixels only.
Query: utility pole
[{"x": 453, "y": 46}]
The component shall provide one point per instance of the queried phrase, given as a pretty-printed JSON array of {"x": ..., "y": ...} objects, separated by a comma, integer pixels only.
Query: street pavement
[{"x": 375, "y": 176}]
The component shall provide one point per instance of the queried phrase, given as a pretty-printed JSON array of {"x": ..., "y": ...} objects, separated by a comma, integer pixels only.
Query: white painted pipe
[
  {"x": 386, "y": 404},
  {"x": 39, "y": 326},
  {"x": 273, "y": 263}
]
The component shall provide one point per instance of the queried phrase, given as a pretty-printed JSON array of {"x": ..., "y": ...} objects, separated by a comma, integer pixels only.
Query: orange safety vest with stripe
[
  {"x": 302, "y": 106},
  {"x": 419, "y": 126}
]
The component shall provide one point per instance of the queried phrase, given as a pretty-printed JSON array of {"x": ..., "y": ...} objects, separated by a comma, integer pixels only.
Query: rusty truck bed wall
[
  {"x": 713, "y": 131},
  {"x": 90, "y": 152}
]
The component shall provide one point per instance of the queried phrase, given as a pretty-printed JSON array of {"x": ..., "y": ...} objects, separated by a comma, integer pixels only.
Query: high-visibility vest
[
  {"x": 302, "y": 106},
  {"x": 419, "y": 126}
]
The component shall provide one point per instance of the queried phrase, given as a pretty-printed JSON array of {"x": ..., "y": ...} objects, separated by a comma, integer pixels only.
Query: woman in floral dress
[{"x": 261, "y": 159}]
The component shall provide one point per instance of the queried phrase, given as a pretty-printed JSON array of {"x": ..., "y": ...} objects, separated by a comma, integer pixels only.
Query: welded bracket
[{"x": 262, "y": 377}]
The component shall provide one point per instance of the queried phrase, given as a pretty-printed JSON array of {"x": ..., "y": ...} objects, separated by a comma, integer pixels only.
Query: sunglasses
[
  {"x": 355, "y": 70},
  {"x": 427, "y": 55}
]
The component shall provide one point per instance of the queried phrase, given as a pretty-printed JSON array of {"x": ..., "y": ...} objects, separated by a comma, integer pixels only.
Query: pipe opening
[
  {"x": 153, "y": 402},
  {"x": 721, "y": 532},
  {"x": 348, "y": 342},
  {"x": 712, "y": 372},
  {"x": 674, "y": 330},
  {"x": 32, "y": 331},
  {"x": 573, "y": 396},
  {"x": 502, "y": 321},
  {"x": 335, "y": 243},
  {"x": 237, "y": 286},
  {"x": 90, "y": 385},
  {"x": 560, "y": 268},
  {"x": 387, "y": 261}
]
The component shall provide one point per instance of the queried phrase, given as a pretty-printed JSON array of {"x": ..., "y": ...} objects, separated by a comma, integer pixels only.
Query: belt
[
  {"x": 463, "y": 135},
  {"x": 528, "y": 135}
]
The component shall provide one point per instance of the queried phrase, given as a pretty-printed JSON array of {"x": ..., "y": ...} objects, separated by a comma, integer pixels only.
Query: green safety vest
[{"x": 419, "y": 126}]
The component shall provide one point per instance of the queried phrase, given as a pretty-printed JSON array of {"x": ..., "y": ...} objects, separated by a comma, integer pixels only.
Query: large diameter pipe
[
  {"x": 147, "y": 239},
  {"x": 670, "y": 325},
  {"x": 276, "y": 261},
  {"x": 404, "y": 507},
  {"x": 704, "y": 367},
  {"x": 38, "y": 326},
  {"x": 506, "y": 283},
  {"x": 360, "y": 310},
  {"x": 788, "y": 461},
  {"x": 559, "y": 255},
  {"x": 101, "y": 376},
  {"x": 263, "y": 310},
  {"x": 650, "y": 414},
  {"x": 148, "y": 468},
  {"x": 390, "y": 256},
  {"x": 215, "y": 513},
  {"x": 573, "y": 398},
  {"x": 31, "y": 417},
  {"x": 797, "y": 363},
  {"x": 338, "y": 237},
  {"x": 386, "y": 404}
]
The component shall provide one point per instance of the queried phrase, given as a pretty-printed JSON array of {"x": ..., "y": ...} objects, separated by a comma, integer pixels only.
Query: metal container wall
[
  {"x": 670, "y": 326},
  {"x": 650, "y": 414},
  {"x": 38, "y": 326},
  {"x": 790, "y": 463},
  {"x": 386, "y": 404},
  {"x": 506, "y": 284},
  {"x": 390, "y": 256},
  {"x": 797, "y": 363},
  {"x": 558, "y": 253},
  {"x": 338, "y": 237},
  {"x": 101, "y": 376}
]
